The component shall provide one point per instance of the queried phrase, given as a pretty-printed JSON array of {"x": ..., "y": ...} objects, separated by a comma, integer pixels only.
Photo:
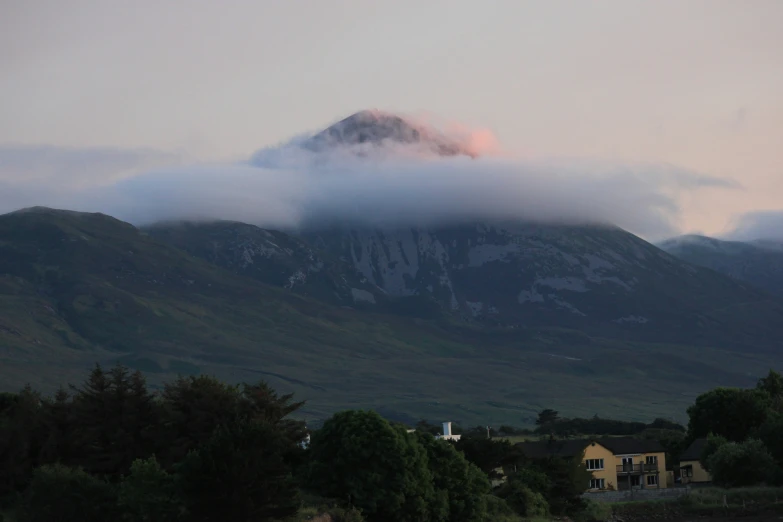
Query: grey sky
[{"x": 694, "y": 83}]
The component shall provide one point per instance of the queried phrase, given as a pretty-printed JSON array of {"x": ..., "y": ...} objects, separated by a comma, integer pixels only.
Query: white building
[{"x": 447, "y": 435}]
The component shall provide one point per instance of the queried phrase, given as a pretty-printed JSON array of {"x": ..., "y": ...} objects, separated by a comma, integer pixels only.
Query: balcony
[{"x": 630, "y": 469}]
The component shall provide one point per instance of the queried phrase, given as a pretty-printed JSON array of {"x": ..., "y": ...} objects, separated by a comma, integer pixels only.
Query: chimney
[{"x": 446, "y": 429}]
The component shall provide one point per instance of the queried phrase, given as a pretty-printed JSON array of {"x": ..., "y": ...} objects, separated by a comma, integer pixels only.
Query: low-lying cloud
[
  {"x": 758, "y": 225},
  {"x": 366, "y": 184}
]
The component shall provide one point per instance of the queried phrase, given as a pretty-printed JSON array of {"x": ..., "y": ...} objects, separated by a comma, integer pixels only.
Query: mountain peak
[{"x": 375, "y": 127}]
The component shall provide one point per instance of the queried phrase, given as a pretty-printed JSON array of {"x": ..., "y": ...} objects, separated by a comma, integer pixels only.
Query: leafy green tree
[
  {"x": 240, "y": 474},
  {"x": 533, "y": 478},
  {"x": 487, "y": 454},
  {"x": 498, "y": 510},
  {"x": 460, "y": 487},
  {"x": 730, "y": 412},
  {"x": 524, "y": 492},
  {"x": 771, "y": 434},
  {"x": 713, "y": 444},
  {"x": 665, "y": 424},
  {"x": 738, "y": 464},
  {"x": 772, "y": 384},
  {"x": 149, "y": 494},
  {"x": 58, "y": 493},
  {"x": 359, "y": 458},
  {"x": 424, "y": 426}
]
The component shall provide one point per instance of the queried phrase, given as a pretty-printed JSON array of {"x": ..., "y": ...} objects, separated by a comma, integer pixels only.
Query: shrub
[
  {"x": 68, "y": 495},
  {"x": 148, "y": 494},
  {"x": 523, "y": 500},
  {"x": 742, "y": 464},
  {"x": 498, "y": 510},
  {"x": 594, "y": 512},
  {"x": 351, "y": 514},
  {"x": 714, "y": 442}
]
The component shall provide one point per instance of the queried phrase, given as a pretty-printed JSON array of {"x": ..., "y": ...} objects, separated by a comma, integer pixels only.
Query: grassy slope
[{"x": 77, "y": 289}]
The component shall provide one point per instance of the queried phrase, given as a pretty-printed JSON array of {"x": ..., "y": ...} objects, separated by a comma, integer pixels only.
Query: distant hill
[
  {"x": 79, "y": 288},
  {"x": 759, "y": 263}
]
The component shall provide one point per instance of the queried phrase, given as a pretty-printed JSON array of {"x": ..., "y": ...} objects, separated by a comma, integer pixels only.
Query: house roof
[
  {"x": 541, "y": 449},
  {"x": 629, "y": 445},
  {"x": 573, "y": 447},
  {"x": 694, "y": 450}
]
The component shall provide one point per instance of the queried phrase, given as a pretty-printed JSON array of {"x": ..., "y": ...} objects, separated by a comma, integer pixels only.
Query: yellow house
[
  {"x": 619, "y": 463},
  {"x": 691, "y": 470}
]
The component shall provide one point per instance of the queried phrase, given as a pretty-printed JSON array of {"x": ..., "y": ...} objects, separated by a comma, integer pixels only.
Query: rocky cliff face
[
  {"x": 511, "y": 272},
  {"x": 600, "y": 280},
  {"x": 272, "y": 257}
]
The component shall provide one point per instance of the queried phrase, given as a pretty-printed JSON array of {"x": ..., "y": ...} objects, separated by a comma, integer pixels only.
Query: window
[
  {"x": 597, "y": 483},
  {"x": 636, "y": 480},
  {"x": 652, "y": 480},
  {"x": 594, "y": 463},
  {"x": 686, "y": 472},
  {"x": 652, "y": 459}
]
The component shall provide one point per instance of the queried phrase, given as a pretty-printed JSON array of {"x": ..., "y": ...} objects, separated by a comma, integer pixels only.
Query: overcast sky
[{"x": 693, "y": 83}]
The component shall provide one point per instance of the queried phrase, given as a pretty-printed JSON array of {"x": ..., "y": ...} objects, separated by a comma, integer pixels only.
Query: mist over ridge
[{"x": 376, "y": 168}]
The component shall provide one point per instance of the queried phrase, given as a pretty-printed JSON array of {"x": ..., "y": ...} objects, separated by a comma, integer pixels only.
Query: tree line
[
  {"x": 202, "y": 450},
  {"x": 550, "y": 422}
]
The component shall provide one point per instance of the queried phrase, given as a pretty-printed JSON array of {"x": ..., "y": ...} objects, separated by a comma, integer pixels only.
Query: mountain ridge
[
  {"x": 759, "y": 262},
  {"x": 78, "y": 288}
]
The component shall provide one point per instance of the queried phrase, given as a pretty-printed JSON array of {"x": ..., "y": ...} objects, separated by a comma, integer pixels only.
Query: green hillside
[{"x": 80, "y": 288}]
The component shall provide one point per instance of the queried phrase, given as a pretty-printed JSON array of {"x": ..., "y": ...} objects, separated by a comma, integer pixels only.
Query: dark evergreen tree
[
  {"x": 58, "y": 420},
  {"x": 113, "y": 418},
  {"x": 192, "y": 408},
  {"x": 264, "y": 404},
  {"x": 240, "y": 474},
  {"x": 21, "y": 437},
  {"x": 546, "y": 418}
]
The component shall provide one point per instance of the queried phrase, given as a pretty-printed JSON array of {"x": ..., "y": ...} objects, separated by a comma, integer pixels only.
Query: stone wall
[{"x": 636, "y": 494}]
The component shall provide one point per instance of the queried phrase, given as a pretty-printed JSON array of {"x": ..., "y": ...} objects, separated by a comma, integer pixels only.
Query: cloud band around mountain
[{"x": 364, "y": 184}]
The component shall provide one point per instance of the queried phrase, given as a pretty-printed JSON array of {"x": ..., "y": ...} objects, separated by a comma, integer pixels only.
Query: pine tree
[
  {"x": 192, "y": 408},
  {"x": 58, "y": 419},
  {"x": 240, "y": 474},
  {"x": 21, "y": 437},
  {"x": 113, "y": 417}
]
